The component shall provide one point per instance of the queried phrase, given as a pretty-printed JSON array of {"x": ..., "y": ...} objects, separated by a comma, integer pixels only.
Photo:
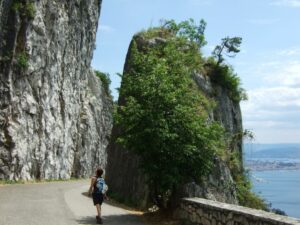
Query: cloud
[
  {"x": 273, "y": 100},
  {"x": 263, "y": 21},
  {"x": 273, "y": 110},
  {"x": 106, "y": 29},
  {"x": 288, "y": 3},
  {"x": 286, "y": 74},
  {"x": 263, "y": 135},
  {"x": 291, "y": 75},
  {"x": 279, "y": 68},
  {"x": 289, "y": 52}
]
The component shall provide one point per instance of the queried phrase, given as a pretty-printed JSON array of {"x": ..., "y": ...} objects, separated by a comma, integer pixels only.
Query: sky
[{"x": 268, "y": 64}]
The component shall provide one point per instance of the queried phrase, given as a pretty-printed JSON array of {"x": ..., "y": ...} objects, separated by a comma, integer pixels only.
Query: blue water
[{"x": 280, "y": 188}]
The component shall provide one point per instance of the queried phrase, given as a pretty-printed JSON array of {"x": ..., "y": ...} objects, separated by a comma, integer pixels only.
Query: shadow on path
[
  {"x": 86, "y": 194},
  {"x": 112, "y": 202},
  {"x": 87, "y": 220},
  {"x": 113, "y": 213},
  {"x": 113, "y": 220}
]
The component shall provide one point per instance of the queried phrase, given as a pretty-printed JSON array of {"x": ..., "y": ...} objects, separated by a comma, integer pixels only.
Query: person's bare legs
[
  {"x": 98, "y": 207},
  {"x": 98, "y": 210}
]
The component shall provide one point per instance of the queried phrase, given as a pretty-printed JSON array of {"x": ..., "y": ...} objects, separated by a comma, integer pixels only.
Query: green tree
[
  {"x": 188, "y": 29},
  {"x": 164, "y": 116},
  {"x": 229, "y": 47}
]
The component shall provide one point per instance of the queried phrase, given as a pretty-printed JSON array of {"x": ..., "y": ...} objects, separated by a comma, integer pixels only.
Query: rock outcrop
[
  {"x": 55, "y": 116},
  {"x": 127, "y": 180}
]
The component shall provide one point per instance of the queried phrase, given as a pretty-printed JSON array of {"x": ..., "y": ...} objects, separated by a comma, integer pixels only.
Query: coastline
[{"x": 259, "y": 165}]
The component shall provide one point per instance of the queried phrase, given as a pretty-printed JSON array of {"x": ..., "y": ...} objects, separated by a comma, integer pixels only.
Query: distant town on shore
[
  {"x": 258, "y": 165},
  {"x": 263, "y": 157}
]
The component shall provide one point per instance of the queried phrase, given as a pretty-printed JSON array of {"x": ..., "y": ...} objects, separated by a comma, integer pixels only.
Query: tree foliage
[
  {"x": 188, "y": 29},
  {"x": 245, "y": 195},
  {"x": 225, "y": 76},
  {"x": 25, "y": 8},
  {"x": 22, "y": 60},
  {"x": 164, "y": 117},
  {"x": 105, "y": 79},
  {"x": 229, "y": 47},
  {"x": 243, "y": 185}
]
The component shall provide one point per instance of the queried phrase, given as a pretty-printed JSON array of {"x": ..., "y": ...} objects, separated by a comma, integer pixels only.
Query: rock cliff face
[
  {"x": 124, "y": 175},
  {"x": 55, "y": 117}
]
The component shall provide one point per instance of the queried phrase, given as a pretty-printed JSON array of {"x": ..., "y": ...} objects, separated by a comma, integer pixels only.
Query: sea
[{"x": 281, "y": 188}]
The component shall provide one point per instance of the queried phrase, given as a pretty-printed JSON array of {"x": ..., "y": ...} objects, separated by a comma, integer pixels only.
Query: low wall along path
[{"x": 206, "y": 212}]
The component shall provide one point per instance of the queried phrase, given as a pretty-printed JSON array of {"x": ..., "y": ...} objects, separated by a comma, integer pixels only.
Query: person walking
[{"x": 97, "y": 190}]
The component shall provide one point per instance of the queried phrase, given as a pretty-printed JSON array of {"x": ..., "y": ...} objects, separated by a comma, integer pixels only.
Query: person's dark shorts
[{"x": 97, "y": 198}]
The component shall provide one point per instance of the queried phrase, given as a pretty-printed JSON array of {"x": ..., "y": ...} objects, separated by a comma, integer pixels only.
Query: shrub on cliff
[
  {"x": 26, "y": 9},
  {"x": 225, "y": 76},
  {"x": 245, "y": 194},
  {"x": 215, "y": 66},
  {"x": 22, "y": 60},
  {"x": 243, "y": 185},
  {"x": 104, "y": 77}
]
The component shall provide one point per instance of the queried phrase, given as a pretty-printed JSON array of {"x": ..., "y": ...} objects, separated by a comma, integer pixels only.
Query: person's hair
[{"x": 99, "y": 172}]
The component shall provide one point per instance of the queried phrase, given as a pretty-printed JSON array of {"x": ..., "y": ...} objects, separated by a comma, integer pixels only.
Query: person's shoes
[{"x": 99, "y": 220}]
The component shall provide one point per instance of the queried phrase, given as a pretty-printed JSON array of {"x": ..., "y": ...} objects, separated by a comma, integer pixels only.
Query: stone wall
[{"x": 200, "y": 211}]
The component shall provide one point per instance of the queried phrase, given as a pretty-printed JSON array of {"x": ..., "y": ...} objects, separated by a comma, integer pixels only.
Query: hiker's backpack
[{"x": 100, "y": 184}]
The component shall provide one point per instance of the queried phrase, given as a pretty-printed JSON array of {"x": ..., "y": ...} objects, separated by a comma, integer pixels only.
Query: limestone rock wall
[
  {"x": 123, "y": 173},
  {"x": 125, "y": 179},
  {"x": 219, "y": 184},
  {"x": 55, "y": 117},
  {"x": 227, "y": 111}
]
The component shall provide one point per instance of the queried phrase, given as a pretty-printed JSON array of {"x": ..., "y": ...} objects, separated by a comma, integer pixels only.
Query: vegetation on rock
[
  {"x": 225, "y": 76},
  {"x": 188, "y": 29},
  {"x": 243, "y": 185},
  {"x": 230, "y": 46},
  {"x": 215, "y": 66},
  {"x": 164, "y": 115},
  {"x": 25, "y": 8},
  {"x": 104, "y": 77},
  {"x": 164, "y": 118},
  {"x": 22, "y": 60}
]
